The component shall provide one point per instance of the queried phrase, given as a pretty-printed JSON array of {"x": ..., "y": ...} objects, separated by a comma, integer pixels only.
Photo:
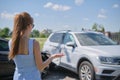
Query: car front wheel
[{"x": 86, "y": 71}]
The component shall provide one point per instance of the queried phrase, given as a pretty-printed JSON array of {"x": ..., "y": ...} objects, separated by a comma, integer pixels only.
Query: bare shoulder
[
  {"x": 36, "y": 43},
  {"x": 36, "y": 46}
]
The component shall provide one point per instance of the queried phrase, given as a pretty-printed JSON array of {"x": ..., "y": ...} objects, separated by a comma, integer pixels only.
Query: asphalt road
[
  {"x": 61, "y": 74},
  {"x": 56, "y": 74}
]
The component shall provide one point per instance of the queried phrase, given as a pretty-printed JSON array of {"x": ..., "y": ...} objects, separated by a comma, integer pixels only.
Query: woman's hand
[{"x": 57, "y": 55}]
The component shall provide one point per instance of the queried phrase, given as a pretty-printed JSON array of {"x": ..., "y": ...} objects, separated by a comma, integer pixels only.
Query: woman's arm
[{"x": 38, "y": 58}]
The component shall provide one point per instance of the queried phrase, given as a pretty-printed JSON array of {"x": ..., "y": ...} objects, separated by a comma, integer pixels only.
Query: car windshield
[{"x": 91, "y": 39}]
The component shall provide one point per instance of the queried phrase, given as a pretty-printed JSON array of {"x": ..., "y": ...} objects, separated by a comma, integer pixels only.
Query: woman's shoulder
[
  {"x": 36, "y": 43},
  {"x": 36, "y": 46}
]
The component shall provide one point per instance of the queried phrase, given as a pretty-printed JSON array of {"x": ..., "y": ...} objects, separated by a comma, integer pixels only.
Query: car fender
[{"x": 84, "y": 58}]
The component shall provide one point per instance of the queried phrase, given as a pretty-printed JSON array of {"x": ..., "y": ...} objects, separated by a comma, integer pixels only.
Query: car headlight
[{"x": 108, "y": 60}]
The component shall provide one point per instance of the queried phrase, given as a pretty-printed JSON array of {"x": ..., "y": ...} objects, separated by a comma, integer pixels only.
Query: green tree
[
  {"x": 42, "y": 35},
  {"x": 94, "y": 27},
  {"x": 35, "y": 33},
  {"x": 10, "y": 34},
  {"x": 46, "y": 32},
  {"x": 4, "y": 32},
  {"x": 102, "y": 29},
  {"x": 98, "y": 27}
]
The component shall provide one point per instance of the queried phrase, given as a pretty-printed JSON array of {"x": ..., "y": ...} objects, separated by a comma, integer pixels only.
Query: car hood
[{"x": 112, "y": 50}]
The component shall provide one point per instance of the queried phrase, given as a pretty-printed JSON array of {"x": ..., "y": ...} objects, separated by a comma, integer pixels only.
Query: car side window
[
  {"x": 4, "y": 45},
  {"x": 68, "y": 38},
  {"x": 57, "y": 37}
]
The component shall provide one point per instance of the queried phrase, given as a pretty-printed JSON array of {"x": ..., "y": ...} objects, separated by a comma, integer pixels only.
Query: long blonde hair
[{"x": 21, "y": 21}]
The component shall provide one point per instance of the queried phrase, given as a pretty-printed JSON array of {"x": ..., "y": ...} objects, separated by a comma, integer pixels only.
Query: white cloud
[
  {"x": 103, "y": 11},
  {"x": 57, "y": 7},
  {"x": 6, "y": 15},
  {"x": 115, "y": 6},
  {"x": 66, "y": 26},
  {"x": 79, "y": 2},
  {"x": 49, "y": 4},
  {"x": 37, "y": 14},
  {"x": 85, "y": 19},
  {"x": 102, "y": 14}
]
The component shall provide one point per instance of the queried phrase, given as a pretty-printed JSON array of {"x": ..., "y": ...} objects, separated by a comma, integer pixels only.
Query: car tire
[{"x": 86, "y": 71}]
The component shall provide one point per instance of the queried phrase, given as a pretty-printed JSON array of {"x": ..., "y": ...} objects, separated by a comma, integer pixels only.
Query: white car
[{"x": 91, "y": 55}]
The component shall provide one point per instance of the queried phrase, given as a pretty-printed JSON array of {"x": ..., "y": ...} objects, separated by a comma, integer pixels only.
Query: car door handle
[{"x": 55, "y": 46}]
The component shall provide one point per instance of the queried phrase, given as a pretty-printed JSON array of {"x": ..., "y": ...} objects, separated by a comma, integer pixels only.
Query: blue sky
[{"x": 63, "y": 14}]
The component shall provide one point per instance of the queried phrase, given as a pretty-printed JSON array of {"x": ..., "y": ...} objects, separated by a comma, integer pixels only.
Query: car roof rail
[{"x": 63, "y": 31}]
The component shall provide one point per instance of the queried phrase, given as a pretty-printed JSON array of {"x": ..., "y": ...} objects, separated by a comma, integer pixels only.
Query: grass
[{"x": 40, "y": 40}]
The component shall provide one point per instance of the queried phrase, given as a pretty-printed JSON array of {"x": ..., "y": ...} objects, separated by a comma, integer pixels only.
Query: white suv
[{"x": 91, "y": 55}]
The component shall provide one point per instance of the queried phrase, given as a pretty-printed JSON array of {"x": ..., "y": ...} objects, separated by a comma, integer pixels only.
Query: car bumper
[{"x": 107, "y": 72}]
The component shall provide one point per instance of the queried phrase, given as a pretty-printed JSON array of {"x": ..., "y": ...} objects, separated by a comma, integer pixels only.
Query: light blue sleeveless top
[{"x": 26, "y": 68}]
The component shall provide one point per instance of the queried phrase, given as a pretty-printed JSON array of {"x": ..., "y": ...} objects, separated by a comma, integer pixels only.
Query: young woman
[{"x": 25, "y": 51}]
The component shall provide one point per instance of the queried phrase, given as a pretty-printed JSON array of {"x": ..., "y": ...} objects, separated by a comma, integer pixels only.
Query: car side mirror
[{"x": 72, "y": 44}]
